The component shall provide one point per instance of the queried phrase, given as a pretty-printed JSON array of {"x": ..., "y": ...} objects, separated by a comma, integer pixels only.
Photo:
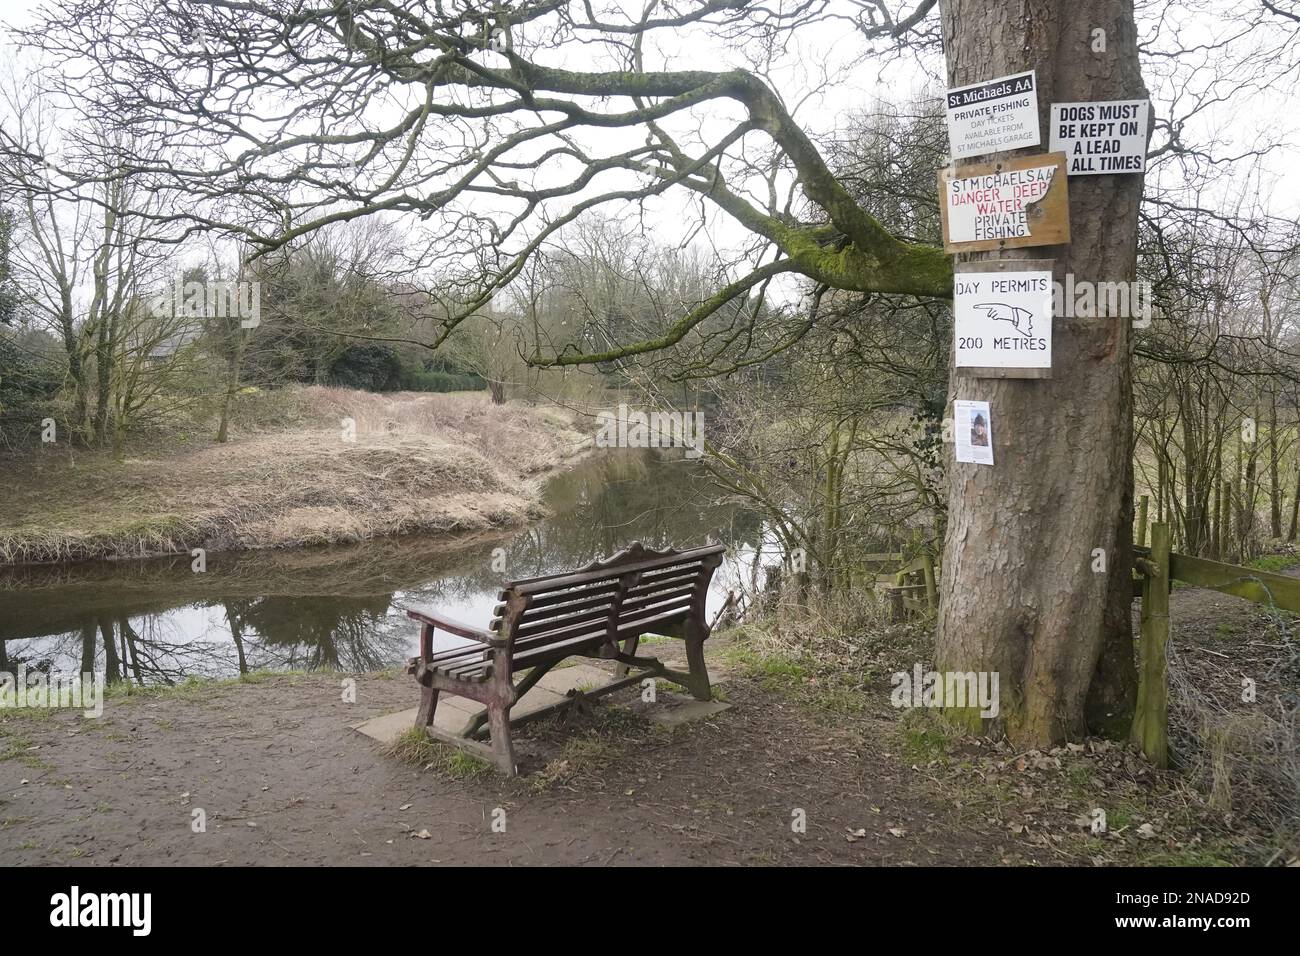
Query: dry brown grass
[{"x": 420, "y": 462}]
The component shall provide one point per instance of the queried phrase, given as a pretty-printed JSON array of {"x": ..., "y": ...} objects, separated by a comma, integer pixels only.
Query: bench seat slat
[
  {"x": 617, "y": 565},
  {"x": 594, "y": 611},
  {"x": 531, "y": 656},
  {"x": 534, "y": 614},
  {"x": 574, "y": 594},
  {"x": 553, "y": 583},
  {"x": 596, "y": 623},
  {"x": 531, "y": 616},
  {"x": 529, "y": 627},
  {"x": 666, "y": 581}
]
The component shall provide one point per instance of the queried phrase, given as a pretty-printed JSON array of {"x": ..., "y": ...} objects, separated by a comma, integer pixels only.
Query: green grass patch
[
  {"x": 193, "y": 687},
  {"x": 776, "y": 670},
  {"x": 1275, "y": 563},
  {"x": 417, "y": 748},
  {"x": 925, "y": 737},
  {"x": 15, "y": 746},
  {"x": 1226, "y": 630},
  {"x": 828, "y": 689}
]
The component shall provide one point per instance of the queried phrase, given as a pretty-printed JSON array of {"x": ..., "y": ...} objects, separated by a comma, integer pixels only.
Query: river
[{"x": 344, "y": 608}]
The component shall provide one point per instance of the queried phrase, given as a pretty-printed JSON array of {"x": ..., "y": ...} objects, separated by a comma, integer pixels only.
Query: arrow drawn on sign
[{"x": 1022, "y": 319}]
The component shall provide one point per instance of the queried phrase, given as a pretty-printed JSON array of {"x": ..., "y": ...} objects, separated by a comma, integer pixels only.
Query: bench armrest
[{"x": 452, "y": 626}]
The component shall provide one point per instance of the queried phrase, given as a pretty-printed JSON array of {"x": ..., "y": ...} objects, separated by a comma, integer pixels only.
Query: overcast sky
[{"x": 1234, "y": 127}]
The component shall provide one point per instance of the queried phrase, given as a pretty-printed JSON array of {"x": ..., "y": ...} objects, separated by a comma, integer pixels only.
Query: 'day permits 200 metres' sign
[
  {"x": 1002, "y": 319},
  {"x": 1017, "y": 202}
]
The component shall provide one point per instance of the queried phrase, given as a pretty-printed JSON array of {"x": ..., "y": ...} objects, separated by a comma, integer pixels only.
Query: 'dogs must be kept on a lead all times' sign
[
  {"x": 1102, "y": 138},
  {"x": 993, "y": 116}
]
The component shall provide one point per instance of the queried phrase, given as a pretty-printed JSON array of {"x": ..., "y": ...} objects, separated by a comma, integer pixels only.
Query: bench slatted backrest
[{"x": 605, "y": 601}]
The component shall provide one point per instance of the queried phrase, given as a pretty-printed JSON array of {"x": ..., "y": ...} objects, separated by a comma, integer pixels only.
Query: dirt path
[{"x": 282, "y": 779}]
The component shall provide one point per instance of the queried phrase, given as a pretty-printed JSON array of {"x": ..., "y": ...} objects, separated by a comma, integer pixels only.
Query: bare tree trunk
[
  {"x": 88, "y": 630},
  {"x": 112, "y": 674},
  {"x": 103, "y": 374},
  {"x": 232, "y": 385},
  {"x": 1295, "y": 504},
  {"x": 1274, "y": 484},
  {"x": 1020, "y": 596},
  {"x": 1216, "y": 529},
  {"x": 76, "y": 367},
  {"x": 236, "y": 623}
]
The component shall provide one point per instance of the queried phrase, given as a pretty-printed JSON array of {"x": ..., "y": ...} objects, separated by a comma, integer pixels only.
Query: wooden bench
[{"x": 600, "y": 611}]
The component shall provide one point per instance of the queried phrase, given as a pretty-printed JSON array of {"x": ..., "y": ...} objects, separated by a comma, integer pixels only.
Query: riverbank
[{"x": 303, "y": 466}]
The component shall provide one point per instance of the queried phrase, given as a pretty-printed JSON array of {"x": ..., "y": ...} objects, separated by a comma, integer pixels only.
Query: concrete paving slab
[
  {"x": 682, "y": 710},
  {"x": 577, "y": 677},
  {"x": 454, "y": 712},
  {"x": 388, "y": 727}
]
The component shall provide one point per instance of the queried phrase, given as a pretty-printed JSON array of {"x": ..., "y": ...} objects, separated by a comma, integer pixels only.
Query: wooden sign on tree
[{"x": 1005, "y": 205}]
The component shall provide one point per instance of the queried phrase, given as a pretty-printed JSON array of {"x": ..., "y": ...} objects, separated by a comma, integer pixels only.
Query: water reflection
[{"x": 344, "y": 608}]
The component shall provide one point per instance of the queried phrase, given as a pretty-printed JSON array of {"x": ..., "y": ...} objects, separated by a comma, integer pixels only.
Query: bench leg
[
  {"x": 629, "y": 648},
  {"x": 428, "y": 706},
  {"x": 503, "y": 751},
  {"x": 695, "y": 635}
]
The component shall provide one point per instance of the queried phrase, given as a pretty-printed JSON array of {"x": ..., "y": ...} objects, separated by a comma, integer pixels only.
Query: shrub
[
  {"x": 417, "y": 380},
  {"x": 373, "y": 368}
]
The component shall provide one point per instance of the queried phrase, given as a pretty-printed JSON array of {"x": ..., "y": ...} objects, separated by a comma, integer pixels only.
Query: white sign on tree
[
  {"x": 973, "y": 424},
  {"x": 1101, "y": 138},
  {"x": 1002, "y": 319},
  {"x": 993, "y": 116}
]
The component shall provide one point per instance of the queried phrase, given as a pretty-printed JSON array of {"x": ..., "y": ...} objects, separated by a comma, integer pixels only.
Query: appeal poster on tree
[{"x": 974, "y": 432}]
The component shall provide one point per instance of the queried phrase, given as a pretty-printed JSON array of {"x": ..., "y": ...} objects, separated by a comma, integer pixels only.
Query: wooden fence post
[
  {"x": 931, "y": 589},
  {"x": 1142, "y": 522},
  {"x": 1151, "y": 719}
]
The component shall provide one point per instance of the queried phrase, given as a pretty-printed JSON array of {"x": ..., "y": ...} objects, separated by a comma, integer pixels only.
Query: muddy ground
[{"x": 281, "y": 778}]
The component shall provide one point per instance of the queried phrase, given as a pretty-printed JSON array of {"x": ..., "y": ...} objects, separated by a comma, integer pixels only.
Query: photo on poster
[{"x": 973, "y": 426}]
